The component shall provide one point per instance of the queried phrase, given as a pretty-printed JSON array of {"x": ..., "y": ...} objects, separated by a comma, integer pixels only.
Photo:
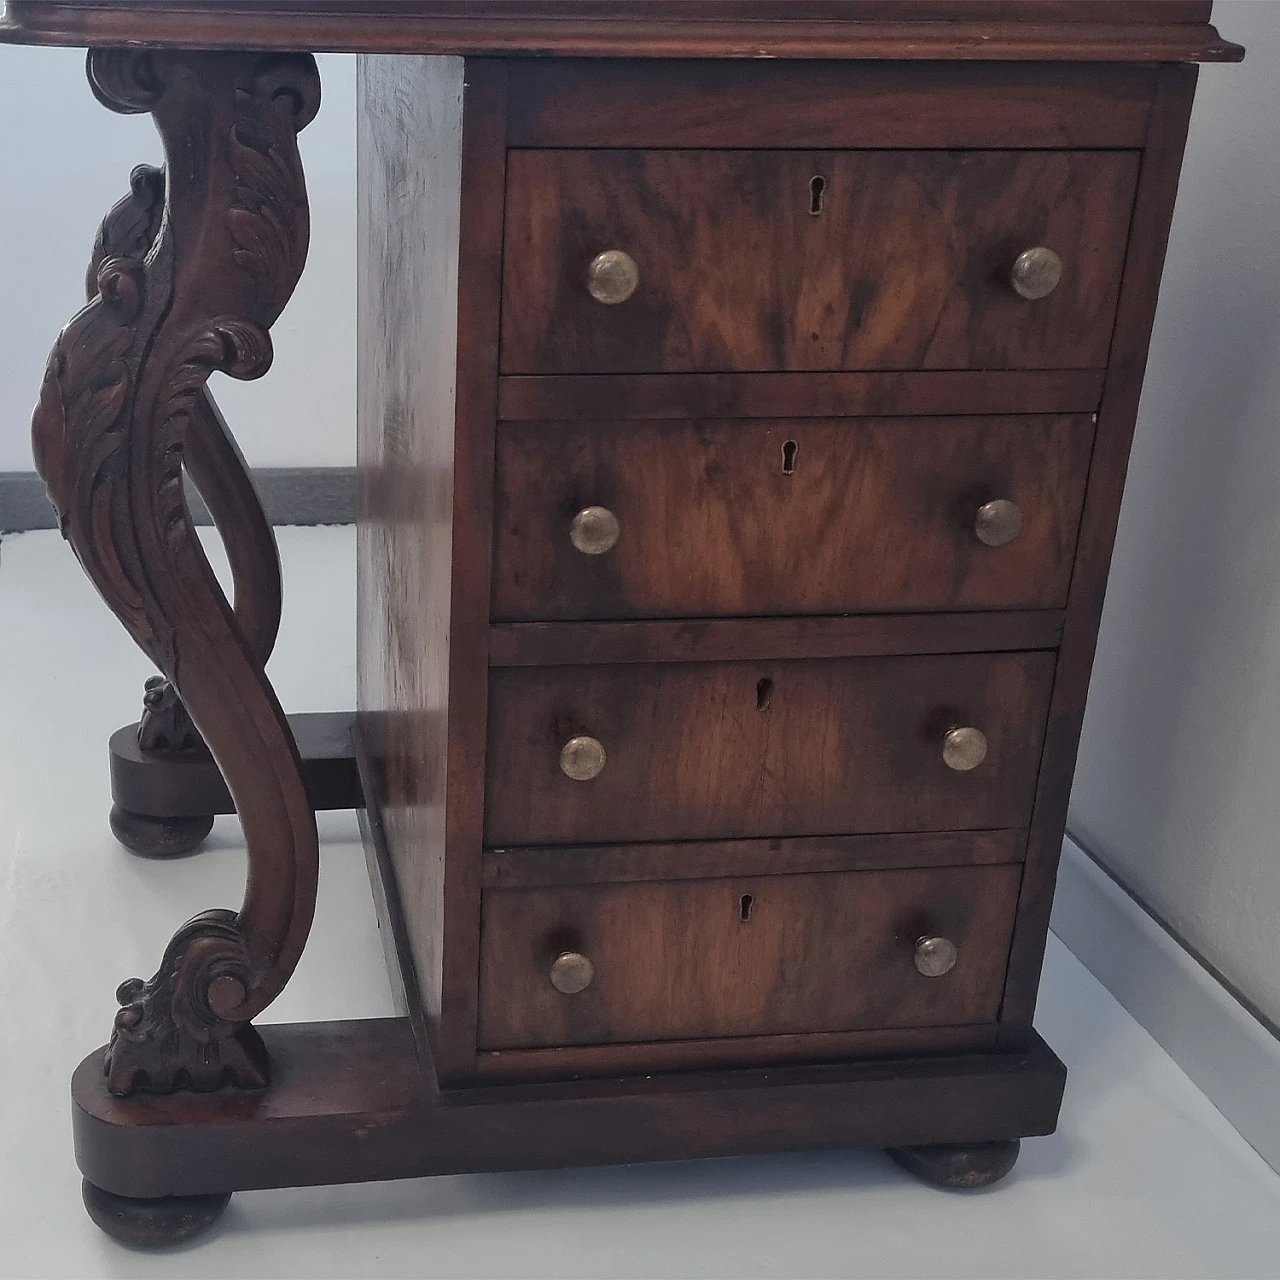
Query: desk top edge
[{"x": 914, "y": 30}]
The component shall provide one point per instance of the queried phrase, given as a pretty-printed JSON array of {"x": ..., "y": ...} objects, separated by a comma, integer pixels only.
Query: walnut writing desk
[{"x": 746, "y": 391}]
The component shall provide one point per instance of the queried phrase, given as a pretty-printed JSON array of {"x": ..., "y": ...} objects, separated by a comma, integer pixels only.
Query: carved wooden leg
[
  {"x": 122, "y": 398},
  {"x": 960, "y": 1167},
  {"x": 219, "y": 473}
]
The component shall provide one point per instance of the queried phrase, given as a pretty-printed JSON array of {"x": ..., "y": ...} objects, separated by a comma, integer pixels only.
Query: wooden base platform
[
  {"x": 188, "y": 785},
  {"x": 351, "y": 1103}
]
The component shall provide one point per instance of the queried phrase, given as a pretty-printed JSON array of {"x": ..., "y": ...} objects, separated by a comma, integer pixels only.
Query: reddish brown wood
[
  {"x": 123, "y": 389},
  {"x": 742, "y": 749},
  {"x": 532, "y": 644},
  {"x": 725, "y": 519},
  {"x": 585, "y": 1062},
  {"x": 705, "y": 859},
  {"x": 906, "y": 266},
  {"x": 743, "y": 956},
  {"x": 793, "y": 395},
  {"x": 1119, "y": 31},
  {"x": 426, "y": 459},
  {"x": 669, "y": 103},
  {"x": 1158, "y": 184},
  {"x": 355, "y": 1106},
  {"x": 959, "y": 1167}
]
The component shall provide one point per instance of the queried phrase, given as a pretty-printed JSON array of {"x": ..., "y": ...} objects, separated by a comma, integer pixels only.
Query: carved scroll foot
[
  {"x": 181, "y": 289},
  {"x": 153, "y": 1224}
]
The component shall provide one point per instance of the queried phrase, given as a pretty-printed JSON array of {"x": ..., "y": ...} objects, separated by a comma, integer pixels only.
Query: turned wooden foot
[
  {"x": 158, "y": 837},
  {"x": 977, "y": 1164},
  {"x": 153, "y": 1224}
]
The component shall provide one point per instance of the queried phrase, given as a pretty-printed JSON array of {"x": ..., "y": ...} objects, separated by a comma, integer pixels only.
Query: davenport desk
[{"x": 746, "y": 389}]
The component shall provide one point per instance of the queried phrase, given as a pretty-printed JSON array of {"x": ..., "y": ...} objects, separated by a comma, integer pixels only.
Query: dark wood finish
[
  {"x": 743, "y": 956},
  {"x": 724, "y": 519},
  {"x": 705, "y": 859},
  {"x": 1117, "y": 416},
  {"x": 583, "y": 103},
  {"x": 843, "y": 746},
  {"x": 426, "y": 461},
  {"x": 1105, "y": 30},
  {"x": 159, "y": 786},
  {"x": 351, "y": 1104},
  {"x": 535, "y": 644},
  {"x": 775, "y": 826},
  {"x": 906, "y": 267},
  {"x": 599, "y": 397},
  {"x": 217, "y": 469},
  {"x": 118, "y": 402},
  {"x": 150, "y": 837},
  {"x": 959, "y": 1168},
  {"x": 153, "y": 1224},
  {"x": 585, "y": 1062}
]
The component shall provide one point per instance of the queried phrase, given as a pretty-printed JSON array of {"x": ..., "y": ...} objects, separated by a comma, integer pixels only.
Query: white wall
[
  {"x": 1178, "y": 786},
  {"x": 66, "y": 161}
]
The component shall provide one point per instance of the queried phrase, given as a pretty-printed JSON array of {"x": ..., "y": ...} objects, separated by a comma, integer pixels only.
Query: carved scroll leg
[
  {"x": 122, "y": 399},
  {"x": 221, "y": 476}
]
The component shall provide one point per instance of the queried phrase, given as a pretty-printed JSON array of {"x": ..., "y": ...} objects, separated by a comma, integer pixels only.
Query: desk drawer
[
  {"x": 724, "y": 519},
  {"x": 706, "y": 750},
  {"x": 764, "y": 955},
  {"x": 775, "y": 260}
]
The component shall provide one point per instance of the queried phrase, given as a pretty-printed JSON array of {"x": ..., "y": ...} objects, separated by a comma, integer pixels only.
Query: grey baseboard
[
  {"x": 1230, "y": 1053},
  {"x": 290, "y": 495}
]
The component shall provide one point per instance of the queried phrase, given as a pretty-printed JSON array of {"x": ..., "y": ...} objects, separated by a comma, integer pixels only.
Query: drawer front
[
  {"x": 727, "y": 519},
  {"x": 766, "y": 955},
  {"x": 753, "y": 260},
  {"x": 707, "y": 750}
]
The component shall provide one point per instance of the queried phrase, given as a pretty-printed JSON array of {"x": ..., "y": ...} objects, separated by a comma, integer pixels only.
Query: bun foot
[
  {"x": 158, "y": 837},
  {"x": 964, "y": 1166},
  {"x": 153, "y": 1224}
]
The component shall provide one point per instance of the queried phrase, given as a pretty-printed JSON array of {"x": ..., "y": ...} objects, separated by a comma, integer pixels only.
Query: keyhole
[
  {"x": 789, "y": 451},
  {"x": 747, "y": 903},
  {"x": 817, "y": 194},
  {"x": 764, "y": 691}
]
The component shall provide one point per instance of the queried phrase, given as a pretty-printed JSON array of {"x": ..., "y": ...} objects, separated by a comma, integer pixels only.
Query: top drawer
[{"x": 792, "y": 260}]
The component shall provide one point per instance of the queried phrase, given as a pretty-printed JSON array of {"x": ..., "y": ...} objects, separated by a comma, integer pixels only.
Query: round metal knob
[
  {"x": 571, "y": 973},
  {"x": 998, "y": 523},
  {"x": 612, "y": 277},
  {"x": 582, "y": 759},
  {"x": 594, "y": 531},
  {"x": 964, "y": 749},
  {"x": 1036, "y": 273},
  {"x": 935, "y": 956}
]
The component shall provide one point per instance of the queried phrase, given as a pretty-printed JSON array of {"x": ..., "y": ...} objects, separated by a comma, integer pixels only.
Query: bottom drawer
[{"x": 742, "y": 956}]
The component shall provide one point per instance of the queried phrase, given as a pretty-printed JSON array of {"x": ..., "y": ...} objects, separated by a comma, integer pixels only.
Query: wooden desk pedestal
[{"x": 745, "y": 401}]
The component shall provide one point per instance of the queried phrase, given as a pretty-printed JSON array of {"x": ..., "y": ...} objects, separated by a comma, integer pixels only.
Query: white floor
[{"x": 1143, "y": 1178}]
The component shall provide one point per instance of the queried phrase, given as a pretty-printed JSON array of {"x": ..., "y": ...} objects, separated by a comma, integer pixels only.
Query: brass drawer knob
[
  {"x": 998, "y": 523},
  {"x": 594, "y": 531},
  {"x": 582, "y": 759},
  {"x": 1036, "y": 273},
  {"x": 571, "y": 973},
  {"x": 612, "y": 277},
  {"x": 934, "y": 956},
  {"x": 964, "y": 749}
]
